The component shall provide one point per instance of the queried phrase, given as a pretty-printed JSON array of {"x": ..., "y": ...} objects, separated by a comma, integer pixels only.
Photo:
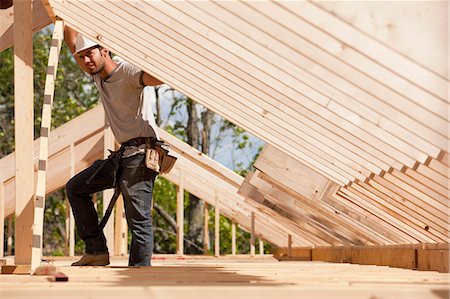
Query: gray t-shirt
[{"x": 122, "y": 99}]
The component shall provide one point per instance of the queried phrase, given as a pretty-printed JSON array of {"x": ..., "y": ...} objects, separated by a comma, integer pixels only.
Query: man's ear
[{"x": 105, "y": 52}]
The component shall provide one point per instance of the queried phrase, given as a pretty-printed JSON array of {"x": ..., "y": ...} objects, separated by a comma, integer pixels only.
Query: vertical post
[
  {"x": 206, "y": 228},
  {"x": 39, "y": 205},
  {"x": 217, "y": 226},
  {"x": 67, "y": 228},
  {"x": 289, "y": 249},
  {"x": 180, "y": 215},
  {"x": 71, "y": 218},
  {"x": 233, "y": 238},
  {"x": 24, "y": 130},
  {"x": 118, "y": 230},
  {"x": 9, "y": 241},
  {"x": 252, "y": 235},
  {"x": 2, "y": 217},
  {"x": 124, "y": 232},
  {"x": 261, "y": 247},
  {"x": 108, "y": 143}
]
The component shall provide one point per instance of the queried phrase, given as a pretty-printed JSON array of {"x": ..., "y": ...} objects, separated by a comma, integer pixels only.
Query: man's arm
[
  {"x": 70, "y": 37},
  {"x": 150, "y": 80}
]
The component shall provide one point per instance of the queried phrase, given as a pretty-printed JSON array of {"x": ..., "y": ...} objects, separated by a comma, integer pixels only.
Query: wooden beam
[
  {"x": 233, "y": 238},
  {"x": 180, "y": 215},
  {"x": 24, "y": 131},
  {"x": 261, "y": 247},
  {"x": 108, "y": 144},
  {"x": 2, "y": 217},
  {"x": 69, "y": 207},
  {"x": 9, "y": 241},
  {"x": 40, "y": 20},
  {"x": 252, "y": 235},
  {"x": 39, "y": 206},
  {"x": 120, "y": 233},
  {"x": 217, "y": 225},
  {"x": 206, "y": 245}
]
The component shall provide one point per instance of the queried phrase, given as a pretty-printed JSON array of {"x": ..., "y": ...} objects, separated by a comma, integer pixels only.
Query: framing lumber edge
[{"x": 422, "y": 256}]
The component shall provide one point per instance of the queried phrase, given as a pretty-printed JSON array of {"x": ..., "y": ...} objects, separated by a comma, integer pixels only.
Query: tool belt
[{"x": 157, "y": 158}]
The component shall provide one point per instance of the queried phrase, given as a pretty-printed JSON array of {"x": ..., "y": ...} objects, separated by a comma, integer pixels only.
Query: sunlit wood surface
[{"x": 228, "y": 277}]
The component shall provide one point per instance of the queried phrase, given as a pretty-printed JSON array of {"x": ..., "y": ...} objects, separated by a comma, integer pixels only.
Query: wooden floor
[{"x": 230, "y": 278}]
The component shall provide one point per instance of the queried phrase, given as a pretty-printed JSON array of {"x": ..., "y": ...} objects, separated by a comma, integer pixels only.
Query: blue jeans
[{"x": 136, "y": 183}]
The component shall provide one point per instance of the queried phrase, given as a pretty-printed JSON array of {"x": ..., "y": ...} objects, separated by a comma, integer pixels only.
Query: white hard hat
[{"x": 83, "y": 43}]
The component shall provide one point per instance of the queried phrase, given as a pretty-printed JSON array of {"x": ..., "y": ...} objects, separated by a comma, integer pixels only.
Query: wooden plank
[
  {"x": 345, "y": 229},
  {"x": 290, "y": 172},
  {"x": 433, "y": 260},
  {"x": 206, "y": 242},
  {"x": 401, "y": 26},
  {"x": 233, "y": 238},
  {"x": 252, "y": 121},
  {"x": 439, "y": 167},
  {"x": 71, "y": 217},
  {"x": 40, "y": 20},
  {"x": 340, "y": 32},
  {"x": 212, "y": 20},
  {"x": 378, "y": 199},
  {"x": 320, "y": 56},
  {"x": 2, "y": 217},
  {"x": 441, "y": 205},
  {"x": 241, "y": 12},
  {"x": 427, "y": 182},
  {"x": 39, "y": 206},
  {"x": 120, "y": 234},
  {"x": 390, "y": 234},
  {"x": 433, "y": 175},
  {"x": 431, "y": 212},
  {"x": 371, "y": 203},
  {"x": 180, "y": 215},
  {"x": 217, "y": 206},
  {"x": 397, "y": 211},
  {"x": 108, "y": 144},
  {"x": 420, "y": 186},
  {"x": 10, "y": 236},
  {"x": 24, "y": 120},
  {"x": 252, "y": 235}
]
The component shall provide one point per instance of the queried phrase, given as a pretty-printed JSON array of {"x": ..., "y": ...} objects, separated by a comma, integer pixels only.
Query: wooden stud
[
  {"x": 40, "y": 20},
  {"x": 252, "y": 235},
  {"x": 49, "y": 91},
  {"x": 69, "y": 207},
  {"x": 217, "y": 225},
  {"x": 10, "y": 236},
  {"x": 180, "y": 215},
  {"x": 109, "y": 144},
  {"x": 261, "y": 247},
  {"x": 24, "y": 128},
  {"x": 119, "y": 233},
  {"x": 289, "y": 246},
  {"x": 206, "y": 243},
  {"x": 233, "y": 238},
  {"x": 2, "y": 217}
]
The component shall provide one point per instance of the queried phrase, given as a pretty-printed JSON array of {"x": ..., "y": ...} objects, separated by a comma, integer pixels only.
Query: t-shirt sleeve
[{"x": 133, "y": 75}]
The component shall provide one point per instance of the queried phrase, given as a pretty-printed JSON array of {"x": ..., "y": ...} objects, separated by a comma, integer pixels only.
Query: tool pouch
[
  {"x": 157, "y": 157},
  {"x": 152, "y": 159}
]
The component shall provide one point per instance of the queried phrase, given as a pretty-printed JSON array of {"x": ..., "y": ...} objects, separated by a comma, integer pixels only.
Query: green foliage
[{"x": 165, "y": 195}]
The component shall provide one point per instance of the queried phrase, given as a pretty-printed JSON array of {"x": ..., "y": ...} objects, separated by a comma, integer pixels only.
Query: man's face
[{"x": 92, "y": 60}]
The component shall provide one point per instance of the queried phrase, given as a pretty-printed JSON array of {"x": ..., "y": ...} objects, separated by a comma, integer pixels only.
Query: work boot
[{"x": 93, "y": 260}]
